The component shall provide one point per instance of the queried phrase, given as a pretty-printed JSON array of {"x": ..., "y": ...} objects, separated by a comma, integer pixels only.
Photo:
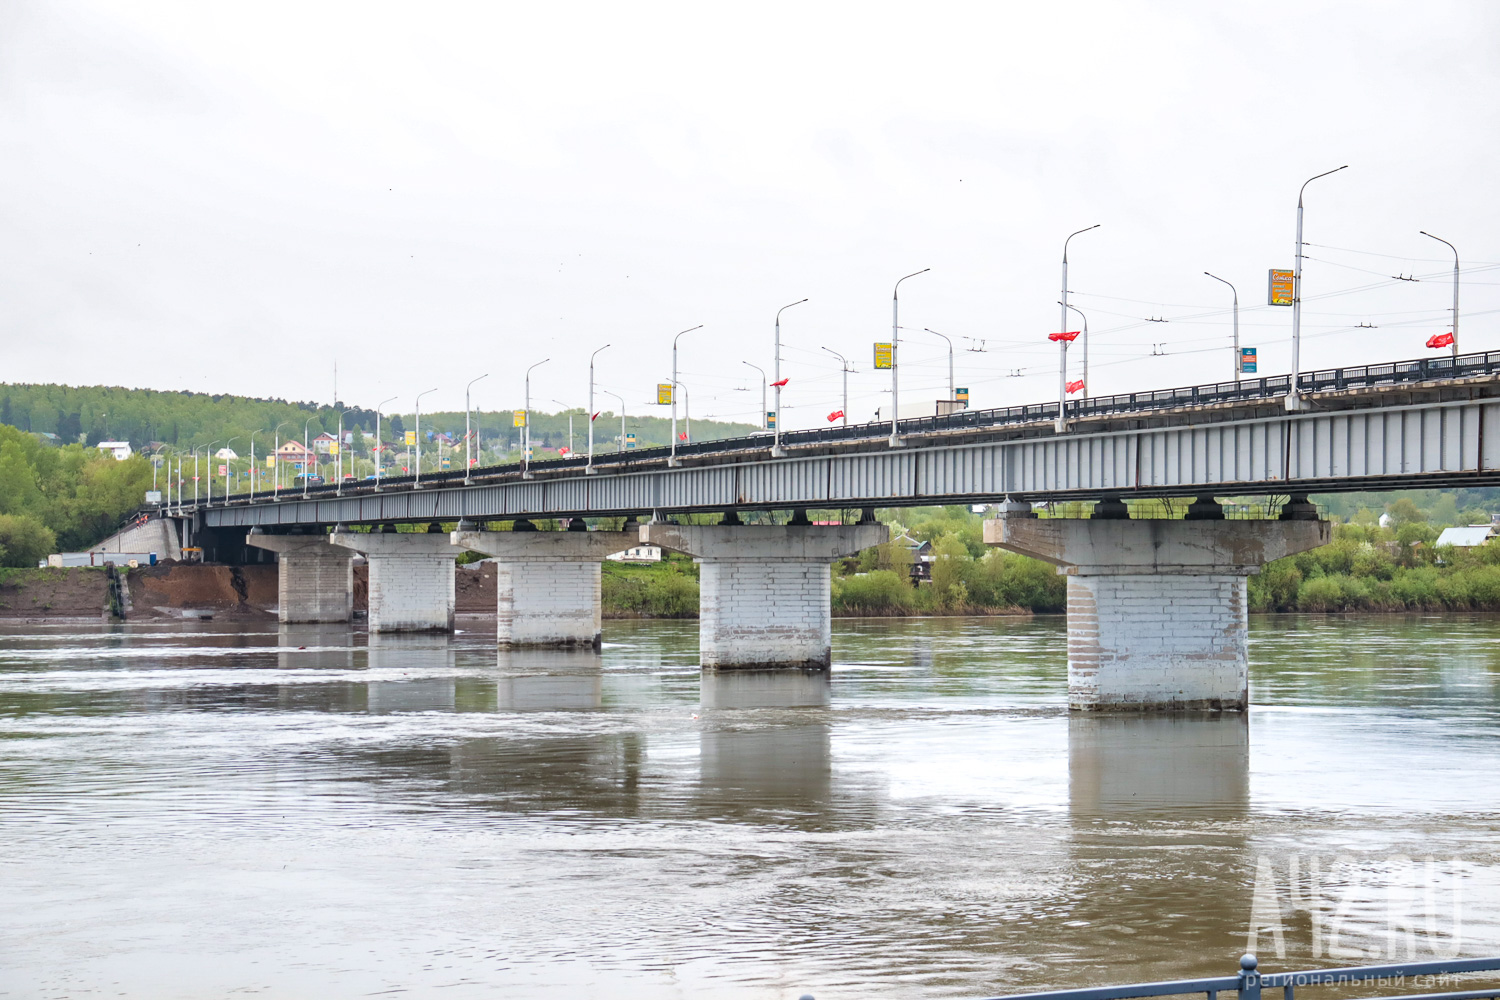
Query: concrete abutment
[
  {"x": 410, "y": 578},
  {"x": 314, "y": 580},
  {"x": 547, "y": 583},
  {"x": 1157, "y": 610},
  {"x": 764, "y": 590}
]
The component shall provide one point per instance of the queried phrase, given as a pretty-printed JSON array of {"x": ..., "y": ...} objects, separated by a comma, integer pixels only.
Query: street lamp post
[
  {"x": 762, "y": 394},
  {"x": 588, "y": 469},
  {"x": 228, "y": 465},
  {"x": 1237, "y": 365},
  {"x": 672, "y": 458},
  {"x": 339, "y": 444},
  {"x": 252, "y": 464},
  {"x": 307, "y": 455},
  {"x": 468, "y": 432},
  {"x": 417, "y": 483},
  {"x": 526, "y": 425},
  {"x": 1450, "y": 246},
  {"x": 1085, "y": 392},
  {"x": 1062, "y": 344},
  {"x": 621, "y": 398},
  {"x": 379, "y": 449},
  {"x": 843, "y": 363},
  {"x": 276, "y": 468},
  {"x": 567, "y": 408},
  {"x": 687, "y": 408},
  {"x": 1293, "y": 398},
  {"x": 896, "y": 441},
  {"x": 951, "y": 395},
  {"x": 776, "y": 451}
]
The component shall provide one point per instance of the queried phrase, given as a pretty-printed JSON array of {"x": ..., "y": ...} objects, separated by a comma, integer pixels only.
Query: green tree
[
  {"x": 1405, "y": 511},
  {"x": 24, "y": 540},
  {"x": 950, "y": 560}
]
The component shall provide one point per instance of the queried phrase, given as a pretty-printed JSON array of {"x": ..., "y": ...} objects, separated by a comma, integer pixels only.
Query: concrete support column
[
  {"x": 547, "y": 583},
  {"x": 764, "y": 589},
  {"x": 410, "y": 576},
  {"x": 1157, "y": 616},
  {"x": 314, "y": 580}
]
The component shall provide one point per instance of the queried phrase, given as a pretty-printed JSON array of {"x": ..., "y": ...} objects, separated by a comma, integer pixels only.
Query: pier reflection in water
[{"x": 205, "y": 808}]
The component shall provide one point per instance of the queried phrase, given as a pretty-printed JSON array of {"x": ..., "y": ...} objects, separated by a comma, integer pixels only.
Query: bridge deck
[{"x": 1405, "y": 424}]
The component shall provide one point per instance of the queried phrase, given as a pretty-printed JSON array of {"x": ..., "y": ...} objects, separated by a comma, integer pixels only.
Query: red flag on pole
[
  {"x": 1440, "y": 340},
  {"x": 595, "y": 416},
  {"x": 682, "y": 436},
  {"x": 1069, "y": 336},
  {"x": 835, "y": 415},
  {"x": 1075, "y": 386},
  {"x": 778, "y": 385}
]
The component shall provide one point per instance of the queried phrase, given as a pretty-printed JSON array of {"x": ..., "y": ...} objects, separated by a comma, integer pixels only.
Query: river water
[{"x": 215, "y": 809}]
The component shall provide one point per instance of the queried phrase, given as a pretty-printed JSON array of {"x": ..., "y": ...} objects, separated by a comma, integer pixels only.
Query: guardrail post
[{"x": 1249, "y": 978}]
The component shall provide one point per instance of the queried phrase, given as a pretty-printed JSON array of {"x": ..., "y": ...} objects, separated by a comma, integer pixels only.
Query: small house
[
  {"x": 120, "y": 450},
  {"x": 1466, "y": 536},
  {"x": 637, "y": 554}
]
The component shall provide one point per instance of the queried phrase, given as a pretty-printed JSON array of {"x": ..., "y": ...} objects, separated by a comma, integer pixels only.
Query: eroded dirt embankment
[
  {"x": 163, "y": 591},
  {"x": 75, "y": 592},
  {"x": 169, "y": 589}
]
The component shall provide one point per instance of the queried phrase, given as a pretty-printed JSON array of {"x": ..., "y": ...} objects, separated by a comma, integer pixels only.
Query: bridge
[
  {"x": 1431, "y": 422},
  {"x": 1156, "y": 608}
]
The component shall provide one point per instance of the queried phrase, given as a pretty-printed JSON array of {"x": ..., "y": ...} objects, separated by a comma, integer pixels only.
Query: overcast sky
[{"x": 226, "y": 197}]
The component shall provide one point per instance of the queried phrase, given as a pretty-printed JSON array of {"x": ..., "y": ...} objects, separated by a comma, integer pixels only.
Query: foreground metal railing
[
  {"x": 1250, "y": 982},
  {"x": 1246, "y": 390}
]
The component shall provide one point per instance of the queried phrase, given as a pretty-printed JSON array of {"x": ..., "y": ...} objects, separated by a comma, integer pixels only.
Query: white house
[
  {"x": 1466, "y": 536},
  {"x": 227, "y": 454},
  {"x": 119, "y": 449},
  {"x": 638, "y": 554}
]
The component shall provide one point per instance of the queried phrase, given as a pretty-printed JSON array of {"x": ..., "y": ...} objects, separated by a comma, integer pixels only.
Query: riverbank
[{"x": 1365, "y": 569}]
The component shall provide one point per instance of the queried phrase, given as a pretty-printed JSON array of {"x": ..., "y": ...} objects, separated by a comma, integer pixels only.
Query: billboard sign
[
  {"x": 770, "y": 420},
  {"x": 1280, "y": 287},
  {"x": 961, "y": 396},
  {"x": 411, "y": 438},
  {"x": 1247, "y": 360},
  {"x": 884, "y": 355},
  {"x": 518, "y": 418},
  {"x": 629, "y": 440},
  {"x": 664, "y": 394}
]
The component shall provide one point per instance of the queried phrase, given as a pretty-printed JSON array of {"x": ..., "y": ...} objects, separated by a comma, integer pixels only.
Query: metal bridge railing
[
  {"x": 1250, "y": 982},
  {"x": 1246, "y": 390}
]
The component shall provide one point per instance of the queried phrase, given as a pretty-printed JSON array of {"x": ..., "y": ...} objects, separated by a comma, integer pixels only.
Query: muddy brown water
[{"x": 215, "y": 808}]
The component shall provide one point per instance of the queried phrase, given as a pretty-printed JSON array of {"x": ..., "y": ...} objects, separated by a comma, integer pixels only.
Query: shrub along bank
[
  {"x": 1369, "y": 568},
  {"x": 1365, "y": 568}
]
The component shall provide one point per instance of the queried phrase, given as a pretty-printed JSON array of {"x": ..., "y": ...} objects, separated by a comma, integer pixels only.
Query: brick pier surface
[
  {"x": 547, "y": 582},
  {"x": 411, "y": 579},
  {"x": 1157, "y": 612},
  {"x": 314, "y": 580},
  {"x": 764, "y": 590}
]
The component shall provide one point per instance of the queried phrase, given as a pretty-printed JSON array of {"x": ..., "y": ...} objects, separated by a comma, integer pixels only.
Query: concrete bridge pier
[
  {"x": 764, "y": 590},
  {"x": 547, "y": 582},
  {"x": 314, "y": 580},
  {"x": 1157, "y": 616},
  {"x": 410, "y": 578}
]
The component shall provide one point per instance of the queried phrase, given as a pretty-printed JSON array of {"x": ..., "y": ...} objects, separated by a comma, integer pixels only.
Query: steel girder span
[{"x": 1435, "y": 444}]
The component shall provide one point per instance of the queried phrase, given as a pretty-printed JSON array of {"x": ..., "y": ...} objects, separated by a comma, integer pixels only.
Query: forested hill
[{"x": 184, "y": 419}]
